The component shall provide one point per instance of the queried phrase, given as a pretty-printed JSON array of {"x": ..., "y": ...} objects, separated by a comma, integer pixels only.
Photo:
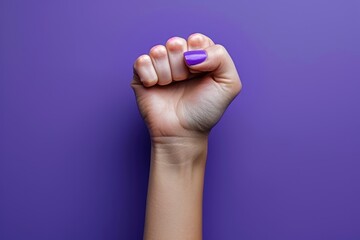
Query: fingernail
[{"x": 194, "y": 57}]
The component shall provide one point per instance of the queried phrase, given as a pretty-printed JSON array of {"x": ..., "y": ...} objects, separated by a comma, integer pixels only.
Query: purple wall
[{"x": 284, "y": 162}]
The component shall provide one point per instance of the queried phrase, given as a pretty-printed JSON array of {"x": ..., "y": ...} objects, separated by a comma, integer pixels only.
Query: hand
[{"x": 178, "y": 99}]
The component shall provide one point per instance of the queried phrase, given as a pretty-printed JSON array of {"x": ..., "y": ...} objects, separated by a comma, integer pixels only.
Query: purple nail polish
[{"x": 195, "y": 57}]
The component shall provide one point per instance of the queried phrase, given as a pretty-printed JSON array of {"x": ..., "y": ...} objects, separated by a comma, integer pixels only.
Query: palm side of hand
[
  {"x": 182, "y": 108},
  {"x": 188, "y": 105}
]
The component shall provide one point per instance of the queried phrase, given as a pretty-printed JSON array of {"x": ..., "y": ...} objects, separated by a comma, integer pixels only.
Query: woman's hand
[{"x": 179, "y": 99}]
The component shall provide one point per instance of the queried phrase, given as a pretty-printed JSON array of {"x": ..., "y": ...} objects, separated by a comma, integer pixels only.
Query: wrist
[{"x": 179, "y": 151}]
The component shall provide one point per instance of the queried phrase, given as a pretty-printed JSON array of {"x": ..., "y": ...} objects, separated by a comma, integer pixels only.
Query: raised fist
[{"x": 183, "y": 88}]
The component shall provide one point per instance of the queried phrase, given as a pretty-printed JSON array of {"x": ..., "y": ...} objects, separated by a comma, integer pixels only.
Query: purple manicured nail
[{"x": 194, "y": 57}]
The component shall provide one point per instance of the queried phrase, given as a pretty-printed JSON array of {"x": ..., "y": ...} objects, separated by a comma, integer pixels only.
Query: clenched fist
[{"x": 183, "y": 88}]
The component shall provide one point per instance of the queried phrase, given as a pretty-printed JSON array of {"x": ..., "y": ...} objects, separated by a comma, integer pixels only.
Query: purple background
[{"x": 283, "y": 163}]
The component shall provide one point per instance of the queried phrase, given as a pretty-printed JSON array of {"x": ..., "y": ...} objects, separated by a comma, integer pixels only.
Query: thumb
[{"x": 217, "y": 61}]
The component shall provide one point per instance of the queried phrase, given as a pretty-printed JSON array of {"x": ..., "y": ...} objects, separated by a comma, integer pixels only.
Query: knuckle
[
  {"x": 157, "y": 50},
  {"x": 196, "y": 38},
  {"x": 175, "y": 41},
  {"x": 220, "y": 49},
  {"x": 195, "y": 35},
  {"x": 141, "y": 60},
  {"x": 154, "y": 48}
]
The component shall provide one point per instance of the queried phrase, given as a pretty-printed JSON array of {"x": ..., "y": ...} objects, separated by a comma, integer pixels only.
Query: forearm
[{"x": 174, "y": 202}]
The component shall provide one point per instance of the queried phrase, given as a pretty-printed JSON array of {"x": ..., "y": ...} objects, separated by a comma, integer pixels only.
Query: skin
[{"x": 180, "y": 104}]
